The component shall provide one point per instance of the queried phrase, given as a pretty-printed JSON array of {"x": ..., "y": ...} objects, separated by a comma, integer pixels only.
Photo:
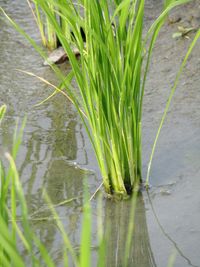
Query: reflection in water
[
  {"x": 60, "y": 178},
  {"x": 117, "y": 219},
  {"x": 51, "y": 167}
]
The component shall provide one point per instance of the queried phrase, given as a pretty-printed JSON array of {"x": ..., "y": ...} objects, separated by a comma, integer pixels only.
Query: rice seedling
[
  {"x": 111, "y": 76},
  {"x": 39, "y": 21},
  {"x": 47, "y": 32}
]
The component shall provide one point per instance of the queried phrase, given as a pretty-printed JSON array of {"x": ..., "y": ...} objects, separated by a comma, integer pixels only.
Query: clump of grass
[
  {"x": 39, "y": 21},
  {"x": 111, "y": 78},
  {"x": 47, "y": 32}
]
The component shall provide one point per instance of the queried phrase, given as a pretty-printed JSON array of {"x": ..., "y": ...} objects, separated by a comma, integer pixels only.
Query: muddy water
[{"x": 56, "y": 154}]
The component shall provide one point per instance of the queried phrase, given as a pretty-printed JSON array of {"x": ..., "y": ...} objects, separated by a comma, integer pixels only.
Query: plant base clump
[{"x": 111, "y": 76}]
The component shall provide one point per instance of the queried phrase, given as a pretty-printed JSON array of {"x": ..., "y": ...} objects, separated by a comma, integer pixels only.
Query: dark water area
[{"x": 56, "y": 154}]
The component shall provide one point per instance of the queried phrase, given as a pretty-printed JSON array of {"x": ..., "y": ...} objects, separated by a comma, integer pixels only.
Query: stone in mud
[{"x": 58, "y": 56}]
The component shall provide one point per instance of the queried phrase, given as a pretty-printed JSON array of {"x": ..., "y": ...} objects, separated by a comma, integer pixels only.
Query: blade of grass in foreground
[
  {"x": 192, "y": 45},
  {"x": 2, "y": 112},
  {"x": 66, "y": 241},
  {"x": 10, "y": 252},
  {"x": 11, "y": 233}
]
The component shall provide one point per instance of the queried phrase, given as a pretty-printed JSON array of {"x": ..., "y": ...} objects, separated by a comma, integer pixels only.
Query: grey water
[{"x": 56, "y": 155}]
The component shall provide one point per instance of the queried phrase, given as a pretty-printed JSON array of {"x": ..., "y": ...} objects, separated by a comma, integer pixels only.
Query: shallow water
[{"x": 56, "y": 154}]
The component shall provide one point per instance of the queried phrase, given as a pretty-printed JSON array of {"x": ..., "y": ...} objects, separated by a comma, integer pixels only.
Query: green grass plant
[
  {"x": 47, "y": 32},
  {"x": 109, "y": 79},
  {"x": 111, "y": 76},
  {"x": 39, "y": 21}
]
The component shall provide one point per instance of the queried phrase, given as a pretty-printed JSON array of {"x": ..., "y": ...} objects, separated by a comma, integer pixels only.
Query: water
[{"x": 56, "y": 154}]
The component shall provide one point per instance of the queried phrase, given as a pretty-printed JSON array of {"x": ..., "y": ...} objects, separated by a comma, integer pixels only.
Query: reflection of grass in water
[{"x": 117, "y": 218}]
